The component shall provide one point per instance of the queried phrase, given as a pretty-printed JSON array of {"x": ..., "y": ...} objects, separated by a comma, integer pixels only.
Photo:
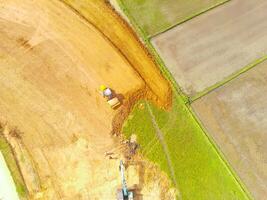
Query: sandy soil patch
[
  {"x": 118, "y": 32},
  {"x": 52, "y": 63}
]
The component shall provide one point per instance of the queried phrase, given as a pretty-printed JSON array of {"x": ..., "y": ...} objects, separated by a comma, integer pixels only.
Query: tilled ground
[
  {"x": 210, "y": 47},
  {"x": 52, "y": 63},
  {"x": 235, "y": 116}
]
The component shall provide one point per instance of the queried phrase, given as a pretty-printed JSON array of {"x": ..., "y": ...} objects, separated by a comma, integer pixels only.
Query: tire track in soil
[{"x": 165, "y": 148}]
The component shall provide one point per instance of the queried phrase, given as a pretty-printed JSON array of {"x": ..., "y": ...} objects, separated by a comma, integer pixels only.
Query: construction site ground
[
  {"x": 210, "y": 47},
  {"x": 218, "y": 60},
  {"x": 174, "y": 141},
  {"x": 234, "y": 116},
  {"x": 52, "y": 64}
]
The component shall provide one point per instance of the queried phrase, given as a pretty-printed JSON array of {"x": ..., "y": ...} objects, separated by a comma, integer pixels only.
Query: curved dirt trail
[{"x": 52, "y": 63}]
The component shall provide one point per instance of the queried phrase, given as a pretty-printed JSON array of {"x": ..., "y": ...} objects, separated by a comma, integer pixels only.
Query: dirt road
[
  {"x": 52, "y": 63},
  {"x": 235, "y": 116},
  {"x": 212, "y": 46}
]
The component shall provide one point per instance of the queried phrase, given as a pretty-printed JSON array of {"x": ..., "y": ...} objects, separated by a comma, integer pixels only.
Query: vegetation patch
[
  {"x": 156, "y": 16},
  {"x": 199, "y": 171},
  {"x": 12, "y": 165}
]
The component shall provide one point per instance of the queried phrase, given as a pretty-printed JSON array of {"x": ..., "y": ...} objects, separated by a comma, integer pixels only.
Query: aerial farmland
[
  {"x": 234, "y": 116},
  {"x": 133, "y": 100},
  {"x": 213, "y": 46}
]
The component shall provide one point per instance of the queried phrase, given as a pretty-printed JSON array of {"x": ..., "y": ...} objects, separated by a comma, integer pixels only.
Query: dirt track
[
  {"x": 52, "y": 63},
  {"x": 212, "y": 46},
  {"x": 235, "y": 116}
]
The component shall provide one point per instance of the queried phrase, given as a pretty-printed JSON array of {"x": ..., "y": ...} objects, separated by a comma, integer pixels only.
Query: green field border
[
  {"x": 188, "y": 18},
  {"x": 221, "y": 155},
  {"x": 153, "y": 51},
  {"x": 179, "y": 92},
  {"x": 228, "y": 79}
]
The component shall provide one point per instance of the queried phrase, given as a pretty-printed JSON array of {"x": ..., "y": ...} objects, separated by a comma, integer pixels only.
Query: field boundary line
[
  {"x": 188, "y": 18},
  {"x": 178, "y": 92},
  {"x": 106, "y": 37},
  {"x": 164, "y": 146},
  {"x": 228, "y": 79},
  {"x": 220, "y": 154},
  {"x": 153, "y": 52}
]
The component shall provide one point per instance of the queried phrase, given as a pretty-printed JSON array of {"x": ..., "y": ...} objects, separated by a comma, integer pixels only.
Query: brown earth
[
  {"x": 101, "y": 14},
  {"x": 235, "y": 116},
  {"x": 52, "y": 63},
  {"x": 214, "y": 45}
]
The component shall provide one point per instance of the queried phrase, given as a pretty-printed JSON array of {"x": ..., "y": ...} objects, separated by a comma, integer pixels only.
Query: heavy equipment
[
  {"x": 110, "y": 95},
  {"x": 124, "y": 193}
]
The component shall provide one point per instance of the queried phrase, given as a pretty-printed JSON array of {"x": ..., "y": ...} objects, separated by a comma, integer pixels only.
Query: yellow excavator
[{"x": 110, "y": 96}]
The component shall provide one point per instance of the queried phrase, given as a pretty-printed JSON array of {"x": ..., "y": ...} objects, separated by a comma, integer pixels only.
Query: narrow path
[
  {"x": 165, "y": 148},
  {"x": 228, "y": 79}
]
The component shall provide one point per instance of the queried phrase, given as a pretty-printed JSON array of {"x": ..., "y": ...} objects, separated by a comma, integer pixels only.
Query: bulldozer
[{"x": 123, "y": 193}]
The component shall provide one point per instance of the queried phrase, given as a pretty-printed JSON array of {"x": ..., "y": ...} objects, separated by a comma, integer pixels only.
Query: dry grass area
[{"x": 52, "y": 63}]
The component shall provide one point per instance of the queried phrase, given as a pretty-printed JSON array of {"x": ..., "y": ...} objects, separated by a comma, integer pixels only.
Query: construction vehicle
[
  {"x": 112, "y": 100},
  {"x": 124, "y": 193}
]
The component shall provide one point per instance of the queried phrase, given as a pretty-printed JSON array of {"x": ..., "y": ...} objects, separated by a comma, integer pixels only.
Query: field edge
[{"x": 178, "y": 91}]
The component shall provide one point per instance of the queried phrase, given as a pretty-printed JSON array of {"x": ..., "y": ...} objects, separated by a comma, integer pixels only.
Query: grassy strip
[
  {"x": 228, "y": 79},
  {"x": 183, "y": 100},
  {"x": 153, "y": 51},
  {"x": 157, "y": 16},
  {"x": 161, "y": 139},
  {"x": 198, "y": 170},
  {"x": 221, "y": 155},
  {"x": 189, "y": 18},
  {"x": 12, "y": 165}
]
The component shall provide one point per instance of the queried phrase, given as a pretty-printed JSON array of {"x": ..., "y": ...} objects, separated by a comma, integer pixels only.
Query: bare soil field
[
  {"x": 52, "y": 63},
  {"x": 103, "y": 16},
  {"x": 235, "y": 116},
  {"x": 212, "y": 46}
]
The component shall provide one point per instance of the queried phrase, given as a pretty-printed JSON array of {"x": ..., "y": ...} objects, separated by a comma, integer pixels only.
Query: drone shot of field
[
  {"x": 239, "y": 107},
  {"x": 155, "y": 16},
  {"x": 133, "y": 100},
  {"x": 210, "y": 47}
]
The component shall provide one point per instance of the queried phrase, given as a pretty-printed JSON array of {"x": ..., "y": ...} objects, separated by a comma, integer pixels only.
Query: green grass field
[
  {"x": 155, "y": 16},
  {"x": 199, "y": 172},
  {"x": 11, "y": 163}
]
